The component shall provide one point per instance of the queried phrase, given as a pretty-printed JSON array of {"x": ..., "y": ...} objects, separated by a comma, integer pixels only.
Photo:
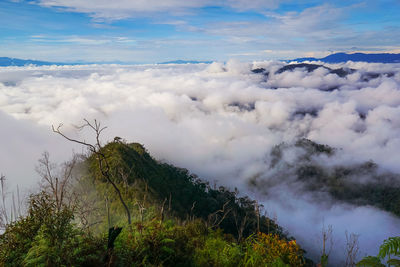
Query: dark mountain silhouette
[
  {"x": 341, "y": 72},
  {"x": 185, "y": 62},
  {"x": 7, "y": 61},
  {"x": 356, "y": 57}
]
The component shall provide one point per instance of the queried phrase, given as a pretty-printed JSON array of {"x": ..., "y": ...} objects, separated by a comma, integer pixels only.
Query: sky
[{"x": 151, "y": 31}]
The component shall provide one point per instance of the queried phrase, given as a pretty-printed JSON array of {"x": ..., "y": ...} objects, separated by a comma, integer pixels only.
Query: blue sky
[{"x": 149, "y": 31}]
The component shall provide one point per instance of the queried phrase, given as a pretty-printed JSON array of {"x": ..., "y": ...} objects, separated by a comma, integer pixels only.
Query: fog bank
[{"x": 220, "y": 121}]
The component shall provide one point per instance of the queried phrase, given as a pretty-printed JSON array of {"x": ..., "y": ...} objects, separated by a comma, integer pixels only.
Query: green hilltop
[
  {"x": 118, "y": 206},
  {"x": 176, "y": 219}
]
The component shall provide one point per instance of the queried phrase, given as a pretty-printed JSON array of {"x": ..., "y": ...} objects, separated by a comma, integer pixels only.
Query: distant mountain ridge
[
  {"x": 333, "y": 58},
  {"x": 185, "y": 62},
  {"x": 356, "y": 57},
  {"x": 7, "y": 61}
]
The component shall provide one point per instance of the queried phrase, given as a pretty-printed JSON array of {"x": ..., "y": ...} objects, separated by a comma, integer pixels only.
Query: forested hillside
[
  {"x": 118, "y": 206},
  {"x": 359, "y": 184},
  {"x": 175, "y": 219}
]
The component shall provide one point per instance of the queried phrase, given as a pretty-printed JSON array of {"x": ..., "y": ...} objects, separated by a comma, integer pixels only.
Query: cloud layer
[
  {"x": 220, "y": 121},
  {"x": 120, "y": 9}
]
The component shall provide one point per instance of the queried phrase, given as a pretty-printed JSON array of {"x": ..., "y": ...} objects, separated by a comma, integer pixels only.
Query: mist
[{"x": 221, "y": 121}]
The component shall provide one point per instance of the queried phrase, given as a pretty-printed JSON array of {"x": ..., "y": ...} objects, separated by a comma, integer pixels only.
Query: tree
[
  {"x": 327, "y": 244},
  {"x": 46, "y": 236},
  {"x": 216, "y": 218},
  {"x": 8, "y": 212},
  {"x": 3, "y": 209},
  {"x": 57, "y": 182},
  {"x": 351, "y": 249},
  {"x": 96, "y": 150},
  {"x": 244, "y": 215}
]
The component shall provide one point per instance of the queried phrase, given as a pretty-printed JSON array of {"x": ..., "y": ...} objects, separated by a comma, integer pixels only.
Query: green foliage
[
  {"x": 47, "y": 237},
  {"x": 218, "y": 252},
  {"x": 324, "y": 260},
  {"x": 271, "y": 250},
  {"x": 390, "y": 246},
  {"x": 370, "y": 261},
  {"x": 394, "y": 262},
  {"x": 155, "y": 243},
  {"x": 149, "y": 183}
]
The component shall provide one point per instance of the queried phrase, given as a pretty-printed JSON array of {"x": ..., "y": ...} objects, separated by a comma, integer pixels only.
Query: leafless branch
[
  {"x": 216, "y": 218},
  {"x": 57, "y": 181},
  {"x": 3, "y": 210},
  {"x": 351, "y": 249},
  {"x": 10, "y": 208},
  {"x": 327, "y": 238},
  {"x": 104, "y": 166}
]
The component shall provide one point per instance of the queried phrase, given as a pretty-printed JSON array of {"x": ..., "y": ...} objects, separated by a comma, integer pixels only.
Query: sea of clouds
[{"x": 220, "y": 121}]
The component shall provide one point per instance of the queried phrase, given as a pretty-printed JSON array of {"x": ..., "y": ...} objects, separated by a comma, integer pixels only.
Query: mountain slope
[
  {"x": 358, "y": 184},
  {"x": 177, "y": 220},
  {"x": 184, "y": 193}
]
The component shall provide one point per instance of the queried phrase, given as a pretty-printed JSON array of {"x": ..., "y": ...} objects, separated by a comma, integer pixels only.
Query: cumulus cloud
[{"x": 220, "y": 121}]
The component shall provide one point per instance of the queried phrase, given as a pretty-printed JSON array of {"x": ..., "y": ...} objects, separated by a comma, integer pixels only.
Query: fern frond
[
  {"x": 394, "y": 262},
  {"x": 390, "y": 246}
]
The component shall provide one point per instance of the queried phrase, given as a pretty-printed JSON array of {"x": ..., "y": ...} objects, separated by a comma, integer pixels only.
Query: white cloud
[
  {"x": 84, "y": 40},
  {"x": 256, "y": 4},
  {"x": 315, "y": 19},
  {"x": 310, "y": 22},
  {"x": 120, "y": 9},
  {"x": 313, "y": 31}
]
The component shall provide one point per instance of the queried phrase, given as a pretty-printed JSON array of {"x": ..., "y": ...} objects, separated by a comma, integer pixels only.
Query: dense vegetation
[
  {"x": 177, "y": 219},
  {"x": 359, "y": 184}
]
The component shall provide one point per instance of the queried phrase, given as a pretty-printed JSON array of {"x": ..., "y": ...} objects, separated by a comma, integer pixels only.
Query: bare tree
[
  {"x": 327, "y": 244},
  {"x": 11, "y": 211},
  {"x": 57, "y": 181},
  {"x": 191, "y": 214},
  {"x": 89, "y": 204},
  {"x": 61, "y": 183},
  {"x": 244, "y": 214},
  {"x": 241, "y": 225},
  {"x": 3, "y": 210},
  {"x": 96, "y": 150},
  {"x": 162, "y": 211},
  {"x": 351, "y": 249},
  {"x": 216, "y": 218},
  {"x": 257, "y": 210}
]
